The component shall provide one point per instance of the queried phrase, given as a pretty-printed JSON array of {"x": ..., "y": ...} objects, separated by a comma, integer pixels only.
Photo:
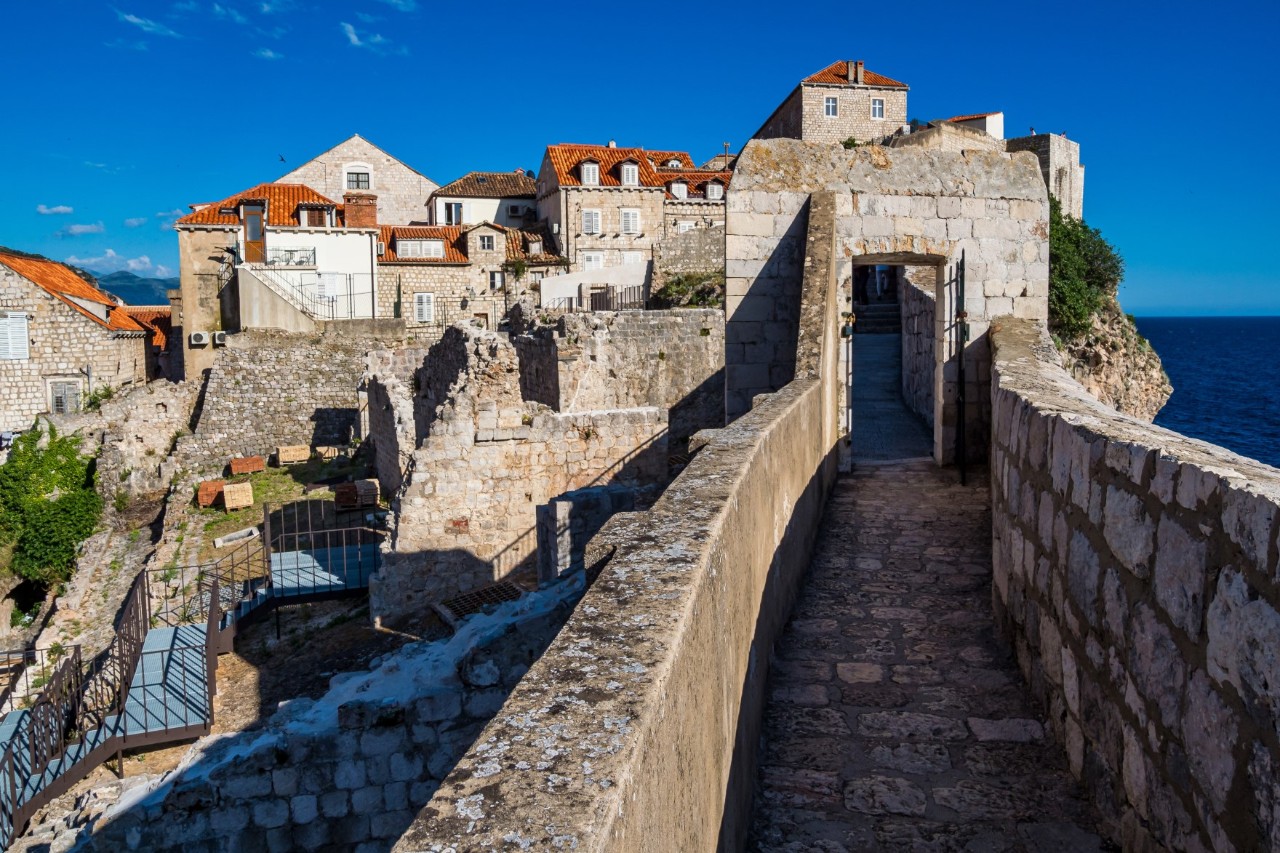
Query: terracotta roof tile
[
  {"x": 491, "y": 185},
  {"x": 838, "y": 72},
  {"x": 282, "y": 202},
  {"x": 62, "y": 282},
  {"x": 565, "y": 159},
  {"x": 973, "y": 117},
  {"x": 697, "y": 179},
  {"x": 518, "y": 244},
  {"x": 155, "y": 319},
  {"x": 455, "y": 245},
  {"x": 662, "y": 158}
]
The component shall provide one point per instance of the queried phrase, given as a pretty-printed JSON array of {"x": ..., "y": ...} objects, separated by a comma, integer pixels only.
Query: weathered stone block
[
  {"x": 366, "y": 800},
  {"x": 271, "y": 813},
  {"x": 304, "y": 808},
  {"x": 1129, "y": 530},
  {"x": 1180, "y": 575},
  {"x": 335, "y": 804},
  {"x": 1209, "y": 731},
  {"x": 1156, "y": 664}
]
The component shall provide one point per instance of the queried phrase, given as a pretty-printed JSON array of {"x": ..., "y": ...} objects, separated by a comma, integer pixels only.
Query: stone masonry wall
[
  {"x": 673, "y": 360},
  {"x": 449, "y": 283},
  {"x": 63, "y": 342},
  {"x": 402, "y": 193},
  {"x": 854, "y": 113},
  {"x": 700, "y": 250},
  {"x": 916, "y": 286},
  {"x": 388, "y": 384},
  {"x": 1136, "y": 573},
  {"x": 897, "y": 207},
  {"x": 273, "y": 388},
  {"x": 466, "y": 514}
]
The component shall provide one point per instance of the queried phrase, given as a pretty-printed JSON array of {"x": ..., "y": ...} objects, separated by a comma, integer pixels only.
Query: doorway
[{"x": 255, "y": 248}]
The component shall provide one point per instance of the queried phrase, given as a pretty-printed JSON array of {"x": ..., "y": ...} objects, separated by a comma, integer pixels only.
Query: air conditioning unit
[
  {"x": 219, "y": 339},
  {"x": 199, "y": 339}
]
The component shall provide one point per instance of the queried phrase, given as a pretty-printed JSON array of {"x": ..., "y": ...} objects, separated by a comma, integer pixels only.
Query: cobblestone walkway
[
  {"x": 883, "y": 427},
  {"x": 894, "y": 720}
]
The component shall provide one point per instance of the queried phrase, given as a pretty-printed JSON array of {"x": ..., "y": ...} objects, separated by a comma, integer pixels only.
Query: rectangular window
[
  {"x": 680, "y": 190},
  {"x": 424, "y": 307},
  {"x": 590, "y": 174},
  {"x": 592, "y": 261},
  {"x": 64, "y": 397},
  {"x": 496, "y": 280},
  {"x": 486, "y": 242},
  {"x": 590, "y": 222},
  {"x": 715, "y": 192},
  {"x": 357, "y": 180},
  {"x": 632, "y": 258},
  {"x": 537, "y": 275},
  {"x": 317, "y": 217},
  {"x": 15, "y": 343},
  {"x": 630, "y": 174},
  {"x": 877, "y": 107},
  {"x": 830, "y": 107},
  {"x": 535, "y": 247},
  {"x": 682, "y": 227},
  {"x": 630, "y": 221},
  {"x": 453, "y": 213},
  {"x": 420, "y": 248},
  {"x": 515, "y": 210}
]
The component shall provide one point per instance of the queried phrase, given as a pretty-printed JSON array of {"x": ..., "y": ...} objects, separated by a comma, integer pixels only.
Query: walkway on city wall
[{"x": 894, "y": 720}]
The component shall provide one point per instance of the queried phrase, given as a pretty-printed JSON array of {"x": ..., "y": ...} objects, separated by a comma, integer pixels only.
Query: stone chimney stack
[
  {"x": 856, "y": 72},
  {"x": 613, "y": 144},
  {"x": 361, "y": 210}
]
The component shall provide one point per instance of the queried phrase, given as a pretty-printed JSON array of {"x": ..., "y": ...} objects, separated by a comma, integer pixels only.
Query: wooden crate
[
  {"x": 357, "y": 495},
  {"x": 327, "y": 451},
  {"x": 248, "y": 464},
  {"x": 208, "y": 492},
  {"x": 292, "y": 453},
  {"x": 237, "y": 495}
]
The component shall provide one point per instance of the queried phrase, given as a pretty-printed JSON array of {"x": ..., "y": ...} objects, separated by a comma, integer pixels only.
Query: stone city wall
[
  {"x": 268, "y": 389},
  {"x": 673, "y": 360},
  {"x": 466, "y": 514},
  {"x": 638, "y": 728},
  {"x": 700, "y": 250},
  {"x": 1136, "y": 573},
  {"x": 916, "y": 297},
  {"x": 896, "y": 207}
]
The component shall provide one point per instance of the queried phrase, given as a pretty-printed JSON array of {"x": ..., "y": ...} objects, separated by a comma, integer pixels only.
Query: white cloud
[
  {"x": 135, "y": 221},
  {"x": 113, "y": 261},
  {"x": 229, "y": 13},
  {"x": 146, "y": 25},
  {"x": 186, "y": 6},
  {"x": 77, "y": 230},
  {"x": 351, "y": 35},
  {"x": 402, "y": 5},
  {"x": 56, "y": 210},
  {"x": 267, "y": 53},
  {"x": 366, "y": 18},
  {"x": 371, "y": 41},
  {"x": 273, "y": 7}
]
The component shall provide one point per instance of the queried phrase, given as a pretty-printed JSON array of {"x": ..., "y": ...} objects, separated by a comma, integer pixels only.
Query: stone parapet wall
[
  {"x": 638, "y": 728},
  {"x": 268, "y": 389},
  {"x": 700, "y": 250},
  {"x": 918, "y": 303},
  {"x": 1136, "y": 573}
]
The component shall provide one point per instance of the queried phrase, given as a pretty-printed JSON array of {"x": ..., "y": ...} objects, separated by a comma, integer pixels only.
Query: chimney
[
  {"x": 613, "y": 143},
  {"x": 519, "y": 171},
  {"x": 361, "y": 210},
  {"x": 856, "y": 72}
]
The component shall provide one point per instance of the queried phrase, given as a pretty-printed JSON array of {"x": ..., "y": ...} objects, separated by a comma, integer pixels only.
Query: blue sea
[{"x": 1225, "y": 373}]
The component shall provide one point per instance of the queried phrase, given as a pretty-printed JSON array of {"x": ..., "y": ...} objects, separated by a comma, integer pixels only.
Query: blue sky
[{"x": 125, "y": 113}]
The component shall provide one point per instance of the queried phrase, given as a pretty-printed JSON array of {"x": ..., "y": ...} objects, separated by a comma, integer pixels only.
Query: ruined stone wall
[
  {"x": 699, "y": 250},
  {"x": 912, "y": 207},
  {"x": 450, "y": 284},
  {"x": 388, "y": 386},
  {"x": 273, "y": 388},
  {"x": 702, "y": 213},
  {"x": 637, "y": 730},
  {"x": 950, "y": 137},
  {"x": 466, "y": 514},
  {"x": 916, "y": 289},
  {"x": 673, "y": 360},
  {"x": 1136, "y": 575}
]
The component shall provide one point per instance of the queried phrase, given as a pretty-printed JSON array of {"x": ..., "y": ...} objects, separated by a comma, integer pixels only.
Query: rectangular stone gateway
[{"x": 919, "y": 208}]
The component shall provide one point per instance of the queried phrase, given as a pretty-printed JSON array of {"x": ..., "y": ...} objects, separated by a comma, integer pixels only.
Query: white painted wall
[
  {"x": 344, "y": 259},
  {"x": 477, "y": 210},
  {"x": 577, "y": 285}
]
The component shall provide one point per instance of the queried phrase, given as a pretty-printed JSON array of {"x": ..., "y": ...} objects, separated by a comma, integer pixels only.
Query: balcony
[{"x": 285, "y": 257}]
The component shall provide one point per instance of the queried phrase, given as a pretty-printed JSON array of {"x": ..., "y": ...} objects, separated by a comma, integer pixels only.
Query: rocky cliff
[{"x": 1117, "y": 365}]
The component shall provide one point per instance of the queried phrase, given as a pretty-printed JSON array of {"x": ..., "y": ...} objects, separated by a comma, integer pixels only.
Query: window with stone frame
[
  {"x": 632, "y": 258},
  {"x": 630, "y": 174},
  {"x": 590, "y": 221},
  {"x": 420, "y": 248},
  {"x": 496, "y": 280},
  {"x": 64, "y": 397},
  {"x": 682, "y": 227},
  {"x": 590, "y": 174},
  {"x": 877, "y": 107},
  {"x": 830, "y": 107},
  {"x": 680, "y": 189},
  {"x": 592, "y": 261},
  {"x": 357, "y": 180},
  {"x": 715, "y": 191},
  {"x": 424, "y": 307},
  {"x": 630, "y": 220},
  {"x": 486, "y": 242},
  {"x": 15, "y": 343}
]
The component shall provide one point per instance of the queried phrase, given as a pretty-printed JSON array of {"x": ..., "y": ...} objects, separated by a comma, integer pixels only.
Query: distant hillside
[{"x": 135, "y": 290}]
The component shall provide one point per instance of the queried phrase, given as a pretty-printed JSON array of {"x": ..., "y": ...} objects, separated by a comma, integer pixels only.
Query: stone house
[
  {"x": 357, "y": 165},
  {"x": 435, "y": 275},
  {"x": 608, "y": 206},
  {"x": 991, "y": 124},
  {"x": 1059, "y": 166},
  {"x": 841, "y": 101},
  {"x": 157, "y": 320},
  {"x": 61, "y": 338},
  {"x": 279, "y": 256},
  {"x": 508, "y": 199}
]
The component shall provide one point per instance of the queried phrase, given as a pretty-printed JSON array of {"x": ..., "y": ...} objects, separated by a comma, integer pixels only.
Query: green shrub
[
  {"x": 850, "y": 143},
  {"x": 1084, "y": 272},
  {"x": 691, "y": 290},
  {"x": 94, "y": 400}
]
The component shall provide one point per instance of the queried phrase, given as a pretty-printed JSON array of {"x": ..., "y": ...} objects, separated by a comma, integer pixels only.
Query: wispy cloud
[
  {"x": 402, "y": 5},
  {"x": 126, "y": 44},
  {"x": 366, "y": 18},
  {"x": 371, "y": 41},
  {"x": 146, "y": 25},
  {"x": 228, "y": 13},
  {"x": 275, "y": 7},
  {"x": 135, "y": 221},
  {"x": 186, "y": 6},
  {"x": 267, "y": 53},
  {"x": 113, "y": 261},
  {"x": 56, "y": 210},
  {"x": 170, "y": 214},
  {"x": 80, "y": 229}
]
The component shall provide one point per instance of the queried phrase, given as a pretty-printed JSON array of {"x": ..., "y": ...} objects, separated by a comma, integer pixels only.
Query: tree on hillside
[{"x": 1084, "y": 272}]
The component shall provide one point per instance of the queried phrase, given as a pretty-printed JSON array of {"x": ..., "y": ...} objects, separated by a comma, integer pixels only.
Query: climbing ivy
[
  {"x": 1084, "y": 272},
  {"x": 48, "y": 504}
]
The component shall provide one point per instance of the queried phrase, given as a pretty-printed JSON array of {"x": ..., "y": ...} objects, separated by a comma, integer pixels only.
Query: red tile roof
[
  {"x": 662, "y": 158},
  {"x": 155, "y": 319},
  {"x": 491, "y": 185},
  {"x": 518, "y": 241},
  {"x": 62, "y": 282},
  {"x": 697, "y": 179},
  {"x": 282, "y": 202},
  {"x": 838, "y": 72},
  {"x": 455, "y": 245},
  {"x": 973, "y": 117},
  {"x": 565, "y": 159}
]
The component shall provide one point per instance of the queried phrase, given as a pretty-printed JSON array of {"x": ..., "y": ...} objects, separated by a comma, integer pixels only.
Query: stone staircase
[{"x": 882, "y": 318}]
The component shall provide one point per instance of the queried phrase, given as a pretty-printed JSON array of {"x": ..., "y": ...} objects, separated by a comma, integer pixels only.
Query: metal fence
[{"x": 605, "y": 298}]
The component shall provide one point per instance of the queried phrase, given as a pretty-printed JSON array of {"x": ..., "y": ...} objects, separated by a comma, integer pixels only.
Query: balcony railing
[{"x": 300, "y": 257}]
